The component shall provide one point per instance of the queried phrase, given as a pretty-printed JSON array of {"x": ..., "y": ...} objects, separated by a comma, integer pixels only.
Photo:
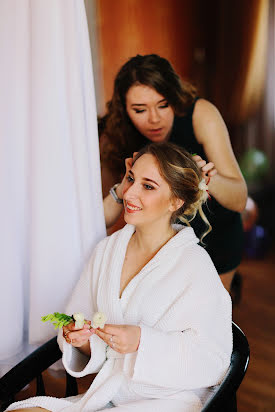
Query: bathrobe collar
[{"x": 112, "y": 263}]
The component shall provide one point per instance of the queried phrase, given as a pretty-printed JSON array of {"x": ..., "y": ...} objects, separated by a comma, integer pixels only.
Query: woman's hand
[
  {"x": 122, "y": 338},
  {"x": 78, "y": 337},
  {"x": 208, "y": 169},
  {"x": 128, "y": 165},
  {"x": 112, "y": 210}
]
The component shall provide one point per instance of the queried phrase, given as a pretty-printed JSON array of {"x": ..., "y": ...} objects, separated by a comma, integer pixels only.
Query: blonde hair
[{"x": 183, "y": 176}]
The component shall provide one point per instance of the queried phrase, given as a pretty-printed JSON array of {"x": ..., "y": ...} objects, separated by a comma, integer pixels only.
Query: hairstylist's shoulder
[
  {"x": 204, "y": 107},
  {"x": 207, "y": 121}
]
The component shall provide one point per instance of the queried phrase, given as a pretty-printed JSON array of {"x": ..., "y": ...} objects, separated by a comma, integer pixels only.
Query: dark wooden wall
[{"x": 130, "y": 27}]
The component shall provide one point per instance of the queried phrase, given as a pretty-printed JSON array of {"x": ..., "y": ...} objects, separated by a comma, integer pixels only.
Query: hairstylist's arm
[
  {"x": 227, "y": 185},
  {"x": 112, "y": 209}
]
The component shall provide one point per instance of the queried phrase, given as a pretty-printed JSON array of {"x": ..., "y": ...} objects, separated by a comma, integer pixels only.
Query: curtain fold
[{"x": 51, "y": 200}]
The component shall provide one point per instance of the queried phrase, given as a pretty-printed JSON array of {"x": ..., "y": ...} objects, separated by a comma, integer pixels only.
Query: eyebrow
[
  {"x": 145, "y": 178},
  {"x": 144, "y": 104}
]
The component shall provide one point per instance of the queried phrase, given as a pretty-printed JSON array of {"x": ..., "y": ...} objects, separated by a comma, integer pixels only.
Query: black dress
[{"x": 225, "y": 242}]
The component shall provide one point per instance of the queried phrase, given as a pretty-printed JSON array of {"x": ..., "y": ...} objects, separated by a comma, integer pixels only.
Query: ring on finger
[
  {"x": 111, "y": 338},
  {"x": 66, "y": 334}
]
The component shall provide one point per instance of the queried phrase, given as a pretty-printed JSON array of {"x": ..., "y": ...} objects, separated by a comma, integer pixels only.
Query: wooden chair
[{"x": 223, "y": 398}]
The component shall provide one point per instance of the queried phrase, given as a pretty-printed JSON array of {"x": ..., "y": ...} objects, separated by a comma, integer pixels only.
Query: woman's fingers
[
  {"x": 81, "y": 338},
  {"x": 129, "y": 161},
  {"x": 207, "y": 168},
  {"x": 108, "y": 338},
  {"x": 212, "y": 172},
  {"x": 122, "y": 338},
  {"x": 200, "y": 162},
  {"x": 77, "y": 337},
  {"x": 112, "y": 340},
  {"x": 128, "y": 164},
  {"x": 197, "y": 158}
]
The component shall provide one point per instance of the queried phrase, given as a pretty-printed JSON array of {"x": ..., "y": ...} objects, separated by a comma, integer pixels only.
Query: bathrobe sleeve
[
  {"x": 83, "y": 300},
  {"x": 190, "y": 347}
]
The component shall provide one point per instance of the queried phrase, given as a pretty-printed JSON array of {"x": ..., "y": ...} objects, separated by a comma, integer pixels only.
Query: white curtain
[{"x": 51, "y": 211}]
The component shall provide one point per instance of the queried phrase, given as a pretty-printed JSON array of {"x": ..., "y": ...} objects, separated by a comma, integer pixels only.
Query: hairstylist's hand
[
  {"x": 122, "y": 338},
  {"x": 77, "y": 337},
  {"x": 208, "y": 169},
  {"x": 128, "y": 165}
]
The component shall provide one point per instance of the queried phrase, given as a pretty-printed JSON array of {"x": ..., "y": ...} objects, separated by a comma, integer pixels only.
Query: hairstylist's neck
[{"x": 151, "y": 238}]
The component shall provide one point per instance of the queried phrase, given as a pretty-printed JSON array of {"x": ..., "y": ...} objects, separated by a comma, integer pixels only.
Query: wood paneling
[{"x": 130, "y": 27}]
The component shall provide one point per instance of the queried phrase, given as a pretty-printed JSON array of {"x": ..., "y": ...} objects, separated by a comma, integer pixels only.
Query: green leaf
[{"x": 57, "y": 319}]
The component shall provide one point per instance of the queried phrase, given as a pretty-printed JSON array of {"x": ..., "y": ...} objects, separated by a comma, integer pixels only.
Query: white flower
[
  {"x": 99, "y": 320},
  {"x": 203, "y": 186},
  {"x": 79, "y": 320}
]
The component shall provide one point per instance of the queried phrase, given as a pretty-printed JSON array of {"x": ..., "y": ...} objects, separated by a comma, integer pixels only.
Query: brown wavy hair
[
  {"x": 122, "y": 137},
  {"x": 183, "y": 176}
]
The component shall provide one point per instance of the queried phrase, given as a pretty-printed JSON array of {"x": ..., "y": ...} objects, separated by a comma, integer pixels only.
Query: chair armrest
[{"x": 30, "y": 368}]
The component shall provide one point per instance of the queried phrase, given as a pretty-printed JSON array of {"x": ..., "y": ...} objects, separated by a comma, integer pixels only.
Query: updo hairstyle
[{"x": 183, "y": 176}]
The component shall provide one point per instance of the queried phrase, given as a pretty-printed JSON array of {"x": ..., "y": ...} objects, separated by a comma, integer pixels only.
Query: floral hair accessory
[{"x": 204, "y": 186}]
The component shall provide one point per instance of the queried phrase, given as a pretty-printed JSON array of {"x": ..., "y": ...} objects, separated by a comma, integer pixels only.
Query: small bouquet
[{"x": 61, "y": 319}]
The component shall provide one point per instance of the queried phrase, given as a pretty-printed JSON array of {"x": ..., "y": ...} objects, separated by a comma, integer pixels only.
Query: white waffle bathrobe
[{"x": 184, "y": 313}]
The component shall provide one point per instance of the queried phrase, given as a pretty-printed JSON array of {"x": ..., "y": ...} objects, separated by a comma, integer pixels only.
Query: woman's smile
[{"x": 130, "y": 208}]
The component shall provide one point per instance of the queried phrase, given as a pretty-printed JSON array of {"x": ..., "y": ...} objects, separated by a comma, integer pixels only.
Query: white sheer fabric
[{"x": 51, "y": 212}]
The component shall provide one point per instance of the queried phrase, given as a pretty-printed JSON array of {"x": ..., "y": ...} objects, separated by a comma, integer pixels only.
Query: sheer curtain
[{"x": 51, "y": 212}]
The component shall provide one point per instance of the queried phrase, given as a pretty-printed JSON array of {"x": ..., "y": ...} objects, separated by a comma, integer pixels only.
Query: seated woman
[{"x": 169, "y": 338}]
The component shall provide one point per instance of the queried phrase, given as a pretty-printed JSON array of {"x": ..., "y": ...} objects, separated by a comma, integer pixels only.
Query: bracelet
[{"x": 114, "y": 194}]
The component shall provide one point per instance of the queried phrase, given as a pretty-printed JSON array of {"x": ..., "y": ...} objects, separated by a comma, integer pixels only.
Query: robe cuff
[{"x": 77, "y": 364}]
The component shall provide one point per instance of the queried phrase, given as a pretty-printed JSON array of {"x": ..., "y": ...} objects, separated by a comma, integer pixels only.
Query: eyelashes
[
  {"x": 146, "y": 186},
  {"x": 139, "y": 111},
  {"x": 163, "y": 106}
]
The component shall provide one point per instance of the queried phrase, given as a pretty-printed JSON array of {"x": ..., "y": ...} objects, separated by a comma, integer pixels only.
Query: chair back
[{"x": 224, "y": 397}]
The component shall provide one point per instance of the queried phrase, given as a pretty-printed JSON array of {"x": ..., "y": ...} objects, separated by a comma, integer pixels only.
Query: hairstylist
[{"x": 151, "y": 103}]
